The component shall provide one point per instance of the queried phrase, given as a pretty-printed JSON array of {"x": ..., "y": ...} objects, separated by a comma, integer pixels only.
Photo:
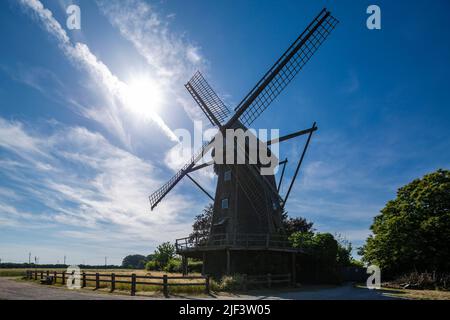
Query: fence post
[
  {"x": 165, "y": 286},
  {"x": 207, "y": 285},
  {"x": 42, "y": 275},
  {"x": 97, "y": 281},
  {"x": 113, "y": 282},
  {"x": 55, "y": 275},
  {"x": 35, "y": 275},
  {"x": 48, "y": 273},
  {"x": 245, "y": 280},
  {"x": 84, "y": 280},
  {"x": 269, "y": 280},
  {"x": 133, "y": 284},
  {"x": 27, "y": 274},
  {"x": 64, "y": 277}
]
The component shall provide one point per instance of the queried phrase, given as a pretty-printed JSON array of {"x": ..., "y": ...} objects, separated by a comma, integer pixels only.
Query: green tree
[
  {"x": 134, "y": 261},
  {"x": 412, "y": 233},
  {"x": 344, "y": 253},
  {"x": 202, "y": 222},
  {"x": 163, "y": 253},
  {"x": 321, "y": 245},
  {"x": 298, "y": 224}
]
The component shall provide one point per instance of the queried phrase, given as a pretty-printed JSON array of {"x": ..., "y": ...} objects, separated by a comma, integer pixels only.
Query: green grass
[
  {"x": 122, "y": 288},
  {"x": 12, "y": 272}
]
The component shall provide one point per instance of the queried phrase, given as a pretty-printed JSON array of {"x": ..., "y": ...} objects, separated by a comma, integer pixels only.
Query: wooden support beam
[
  {"x": 282, "y": 173},
  {"x": 292, "y": 135},
  {"x": 201, "y": 166},
  {"x": 184, "y": 265},
  {"x": 228, "y": 262},
  {"x": 294, "y": 274},
  {"x": 299, "y": 164},
  {"x": 203, "y": 264},
  {"x": 200, "y": 187}
]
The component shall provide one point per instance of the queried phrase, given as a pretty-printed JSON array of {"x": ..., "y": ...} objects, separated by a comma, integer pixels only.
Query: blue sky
[{"x": 82, "y": 145}]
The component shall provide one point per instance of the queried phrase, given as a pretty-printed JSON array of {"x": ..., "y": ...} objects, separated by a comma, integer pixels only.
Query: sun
[{"x": 144, "y": 96}]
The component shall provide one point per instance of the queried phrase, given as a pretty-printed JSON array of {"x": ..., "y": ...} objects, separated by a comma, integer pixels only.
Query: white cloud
[{"x": 87, "y": 184}]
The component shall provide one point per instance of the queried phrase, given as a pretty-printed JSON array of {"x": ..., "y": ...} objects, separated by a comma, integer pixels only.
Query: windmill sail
[
  {"x": 285, "y": 69},
  {"x": 210, "y": 103},
  {"x": 159, "y": 194}
]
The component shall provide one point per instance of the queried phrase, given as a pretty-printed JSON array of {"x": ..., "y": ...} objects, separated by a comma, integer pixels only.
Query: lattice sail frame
[
  {"x": 287, "y": 67},
  {"x": 210, "y": 103},
  {"x": 159, "y": 194}
]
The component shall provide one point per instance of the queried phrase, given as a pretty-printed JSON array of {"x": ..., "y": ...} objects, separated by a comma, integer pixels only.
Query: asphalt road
[{"x": 11, "y": 289}]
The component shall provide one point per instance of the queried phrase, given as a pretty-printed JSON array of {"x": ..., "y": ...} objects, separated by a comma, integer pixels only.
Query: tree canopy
[
  {"x": 298, "y": 224},
  {"x": 202, "y": 223},
  {"x": 163, "y": 253},
  {"x": 134, "y": 261},
  {"x": 325, "y": 247},
  {"x": 412, "y": 233}
]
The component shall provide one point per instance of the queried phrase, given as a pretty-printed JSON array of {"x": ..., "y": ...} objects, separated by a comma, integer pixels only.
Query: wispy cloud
[
  {"x": 171, "y": 57},
  {"x": 80, "y": 54},
  {"x": 81, "y": 181}
]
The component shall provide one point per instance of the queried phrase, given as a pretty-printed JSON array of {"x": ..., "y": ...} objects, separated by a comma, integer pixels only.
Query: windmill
[{"x": 246, "y": 230}]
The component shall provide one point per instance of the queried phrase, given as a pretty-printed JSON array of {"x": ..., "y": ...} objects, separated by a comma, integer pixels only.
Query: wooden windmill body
[{"x": 246, "y": 234}]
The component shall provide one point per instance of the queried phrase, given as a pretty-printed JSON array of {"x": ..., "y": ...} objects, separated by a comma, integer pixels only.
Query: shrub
[
  {"x": 229, "y": 283},
  {"x": 421, "y": 281},
  {"x": 153, "y": 266},
  {"x": 173, "y": 265},
  {"x": 195, "y": 266}
]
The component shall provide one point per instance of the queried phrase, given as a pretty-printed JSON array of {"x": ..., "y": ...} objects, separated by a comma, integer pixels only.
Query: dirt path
[{"x": 11, "y": 289}]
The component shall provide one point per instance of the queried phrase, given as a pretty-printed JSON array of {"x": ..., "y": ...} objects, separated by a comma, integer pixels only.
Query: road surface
[{"x": 11, "y": 289}]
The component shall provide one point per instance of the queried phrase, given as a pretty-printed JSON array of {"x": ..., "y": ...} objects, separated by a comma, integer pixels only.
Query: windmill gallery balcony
[
  {"x": 244, "y": 253},
  {"x": 272, "y": 242}
]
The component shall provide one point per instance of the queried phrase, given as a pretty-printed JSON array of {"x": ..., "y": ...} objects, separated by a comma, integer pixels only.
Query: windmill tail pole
[{"x": 299, "y": 165}]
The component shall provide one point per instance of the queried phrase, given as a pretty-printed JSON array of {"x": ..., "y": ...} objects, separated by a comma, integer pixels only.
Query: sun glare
[{"x": 144, "y": 96}]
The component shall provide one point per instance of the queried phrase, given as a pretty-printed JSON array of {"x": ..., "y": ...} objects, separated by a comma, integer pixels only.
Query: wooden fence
[
  {"x": 267, "y": 280},
  {"x": 130, "y": 279}
]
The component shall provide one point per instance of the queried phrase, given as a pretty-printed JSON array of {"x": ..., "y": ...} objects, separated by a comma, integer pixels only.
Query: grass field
[{"x": 125, "y": 287}]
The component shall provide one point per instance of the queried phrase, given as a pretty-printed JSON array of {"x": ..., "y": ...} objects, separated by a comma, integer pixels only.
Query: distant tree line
[
  {"x": 9, "y": 265},
  {"x": 164, "y": 258}
]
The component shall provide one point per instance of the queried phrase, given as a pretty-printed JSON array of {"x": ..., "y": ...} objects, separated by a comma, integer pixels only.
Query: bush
[
  {"x": 173, "y": 265},
  {"x": 421, "y": 281},
  {"x": 195, "y": 266},
  {"x": 229, "y": 283},
  {"x": 356, "y": 263},
  {"x": 153, "y": 266}
]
